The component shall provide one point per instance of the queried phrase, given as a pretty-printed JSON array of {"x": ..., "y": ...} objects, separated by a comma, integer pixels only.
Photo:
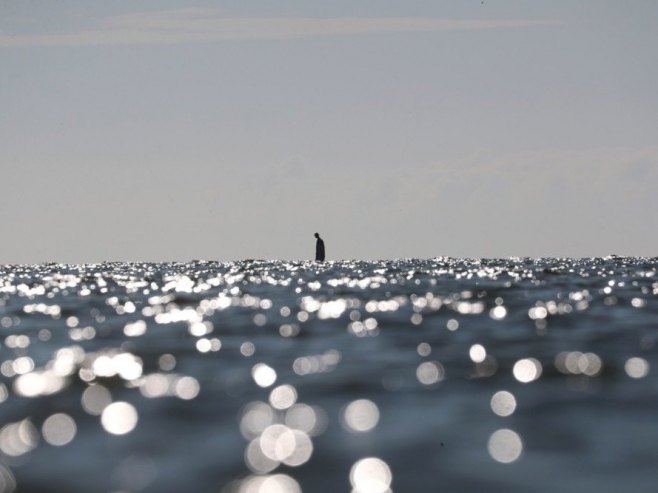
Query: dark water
[{"x": 277, "y": 377}]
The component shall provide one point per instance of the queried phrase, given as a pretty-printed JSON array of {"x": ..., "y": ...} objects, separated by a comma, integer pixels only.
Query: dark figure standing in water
[{"x": 319, "y": 248}]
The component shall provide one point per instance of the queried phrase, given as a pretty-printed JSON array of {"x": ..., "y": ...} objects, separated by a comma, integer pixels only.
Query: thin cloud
[{"x": 210, "y": 25}]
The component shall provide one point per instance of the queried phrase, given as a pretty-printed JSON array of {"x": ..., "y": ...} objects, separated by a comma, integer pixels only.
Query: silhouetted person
[{"x": 319, "y": 248}]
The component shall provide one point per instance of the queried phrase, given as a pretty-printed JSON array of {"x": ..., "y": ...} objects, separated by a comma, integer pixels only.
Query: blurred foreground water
[{"x": 451, "y": 375}]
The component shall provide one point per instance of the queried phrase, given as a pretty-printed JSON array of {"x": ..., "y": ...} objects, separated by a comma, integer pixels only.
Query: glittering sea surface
[{"x": 451, "y": 375}]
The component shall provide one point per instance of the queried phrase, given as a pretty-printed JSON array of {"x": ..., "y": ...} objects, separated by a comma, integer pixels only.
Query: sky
[{"x": 179, "y": 130}]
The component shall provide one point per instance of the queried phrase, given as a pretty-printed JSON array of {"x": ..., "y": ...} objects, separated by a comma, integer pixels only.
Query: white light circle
[
  {"x": 59, "y": 429},
  {"x": 371, "y": 475},
  {"x": 277, "y": 442},
  {"x": 430, "y": 372},
  {"x": 503, "y": 403},
  {"x": 187, "y": 388},
  {"x": 263, "y": 375},
  {"x": 7, "y": 480},
  {"x": 505, "y": 446},
  {"x": 283, "y": 396},
  {"x": 276, "y": 483},
  {"x": 256, "y": 460},
  {"x": 96, "y": 398},
  {"x": 636, "y": 367},
  {"x": 360, "y": 415},
  {"x": 302, "y": 452},
  {"x": 477, "y": 353},
  {"x": 526, "y": 370},
  {"x": 119, "y": 418}
]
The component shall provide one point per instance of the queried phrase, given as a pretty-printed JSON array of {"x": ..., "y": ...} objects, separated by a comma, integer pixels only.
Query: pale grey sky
[{"x": 174, "y": 130}]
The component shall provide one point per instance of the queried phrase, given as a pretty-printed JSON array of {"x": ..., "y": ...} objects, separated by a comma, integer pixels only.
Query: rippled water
[{"x": 279, "y": 377}]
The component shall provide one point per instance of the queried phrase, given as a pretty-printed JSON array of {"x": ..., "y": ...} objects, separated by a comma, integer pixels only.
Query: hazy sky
[{"x": 174, "y": 130}]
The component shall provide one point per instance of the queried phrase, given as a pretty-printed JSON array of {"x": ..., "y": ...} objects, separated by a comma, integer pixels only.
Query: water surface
[{"x": 451, "y": 375}]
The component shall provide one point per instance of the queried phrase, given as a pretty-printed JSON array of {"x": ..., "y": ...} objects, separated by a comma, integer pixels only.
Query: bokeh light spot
[
  {"x": 424, "y": 349},
  {"x": 187, "y": 388},
  {"x": 370, "y": 475},
  {"x": 263, "y": 375},
  {"x": 505, "y": 446},
  {"x": 430, "y": 372},
  {"x": 503, "y": 403},
  {"x": 360, "y": 415},
  {"x": 283, "y": 396},
  {"x": 477, "y": 353},
  {"x": 119, "y": 418},
  {"x": 276, "y": 483},
  {"x": 59, "y": 429},
  {"x": 636, "y": 367},
  {"x": 7, "y": 480},
  {"x": 527, "y": 369}
]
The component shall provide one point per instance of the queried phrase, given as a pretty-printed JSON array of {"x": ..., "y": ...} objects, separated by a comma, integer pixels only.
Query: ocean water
[{"x": 440, "y": 375}]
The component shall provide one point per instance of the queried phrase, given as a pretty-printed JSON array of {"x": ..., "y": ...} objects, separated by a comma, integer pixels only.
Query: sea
[{"x": 257, "y": 376}]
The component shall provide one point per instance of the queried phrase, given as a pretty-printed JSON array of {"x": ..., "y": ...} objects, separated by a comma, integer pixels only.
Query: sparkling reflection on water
[{"x": 257, "y": 376}]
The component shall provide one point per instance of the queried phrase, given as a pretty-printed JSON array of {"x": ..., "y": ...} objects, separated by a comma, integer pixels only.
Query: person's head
[{"x": 317, "y": 235}]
